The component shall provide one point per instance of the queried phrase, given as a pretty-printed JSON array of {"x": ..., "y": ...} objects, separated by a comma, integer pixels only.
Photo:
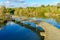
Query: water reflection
[
  {"x": 32, "y": 24},
  {"x": 53, "y": 22},
  {"x": 17, "y": 32}
]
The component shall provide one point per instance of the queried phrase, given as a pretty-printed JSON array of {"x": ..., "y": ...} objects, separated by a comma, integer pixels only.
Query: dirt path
[{"x": 52, "y": 33}]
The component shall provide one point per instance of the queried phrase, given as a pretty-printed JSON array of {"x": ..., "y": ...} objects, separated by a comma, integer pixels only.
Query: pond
[{"x": 13, "y": 31}]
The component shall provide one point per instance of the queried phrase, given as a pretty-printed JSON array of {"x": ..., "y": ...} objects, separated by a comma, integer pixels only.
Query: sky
[{"x": 27, "y": 3}]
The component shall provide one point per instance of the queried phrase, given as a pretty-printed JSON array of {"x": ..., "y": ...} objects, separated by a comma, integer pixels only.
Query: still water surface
[{"x": 14, "y": 31}]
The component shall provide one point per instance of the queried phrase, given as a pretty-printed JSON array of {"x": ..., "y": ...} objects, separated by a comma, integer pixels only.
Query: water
[
  {"x": 32, "y": 24},
  {"x": 53, "y": 22},
  {"x": 14, "y": 31},
  {"x": 50, "y": 21}
]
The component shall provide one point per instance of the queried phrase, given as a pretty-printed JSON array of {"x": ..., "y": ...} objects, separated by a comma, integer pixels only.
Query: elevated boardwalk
[{"x": 51, "y": 32}]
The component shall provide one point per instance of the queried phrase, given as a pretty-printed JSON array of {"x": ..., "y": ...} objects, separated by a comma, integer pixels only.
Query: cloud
[
  {"x": 11, "y": 3},
  {"x": 8, "y": 2},
  {"x": 21, "y": 1},
  {"x": 18, "y": 3},
  {"x": 34, "y": 4},
  {"x": 54, "y": 3},
  {"x": 1, "y": 3}
]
